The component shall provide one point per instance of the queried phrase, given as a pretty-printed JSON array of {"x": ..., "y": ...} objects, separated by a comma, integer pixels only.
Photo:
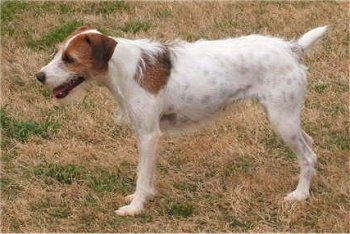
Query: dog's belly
[
  {"x": 193, "y": 111},
  {"x": 180, "y": 121}
]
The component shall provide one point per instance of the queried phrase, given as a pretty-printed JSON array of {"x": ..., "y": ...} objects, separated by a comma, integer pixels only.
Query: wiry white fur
[{"x": 206, "y": 77}]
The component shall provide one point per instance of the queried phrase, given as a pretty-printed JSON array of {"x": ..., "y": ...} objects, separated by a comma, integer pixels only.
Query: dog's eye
[{"x": 67, "y": 58}]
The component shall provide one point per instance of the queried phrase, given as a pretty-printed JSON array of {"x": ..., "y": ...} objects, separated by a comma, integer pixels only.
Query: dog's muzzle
[{"x": 62, "y": 90}]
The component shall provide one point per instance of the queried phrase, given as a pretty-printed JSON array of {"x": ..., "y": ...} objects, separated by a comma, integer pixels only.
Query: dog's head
[{"x": 82, "y": 56}]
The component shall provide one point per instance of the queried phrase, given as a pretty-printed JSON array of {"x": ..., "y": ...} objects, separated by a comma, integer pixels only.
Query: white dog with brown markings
[{"x": 161, "y": 87}]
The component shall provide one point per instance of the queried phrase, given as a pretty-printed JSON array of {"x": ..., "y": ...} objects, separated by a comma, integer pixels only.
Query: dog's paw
[
  {"x": 129, "y": 210},
  {"x": 297, "y": 196}
]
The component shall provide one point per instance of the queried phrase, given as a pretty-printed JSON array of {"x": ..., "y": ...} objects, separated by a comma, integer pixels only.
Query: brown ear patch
[
  {"x": 153, "y": 73},
  {"x": 90, "y": 53},
  {"x": 102, "y": 48}
]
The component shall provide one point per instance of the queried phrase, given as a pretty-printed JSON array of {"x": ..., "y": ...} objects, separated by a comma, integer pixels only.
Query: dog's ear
[{"x": 102, "y": 48}]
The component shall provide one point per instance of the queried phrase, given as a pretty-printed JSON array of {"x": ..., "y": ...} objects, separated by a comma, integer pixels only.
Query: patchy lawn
[{"x": 67, "y": 167}]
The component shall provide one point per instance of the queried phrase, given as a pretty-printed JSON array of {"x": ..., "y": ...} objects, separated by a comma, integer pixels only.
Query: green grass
[
  {"x": 120, "y": 179},
  {"x": 24, "y": 129},
  {"x": 105, "y": 181},
  {"x": 321, "y": 87},
  {"x": 178, "y": 209},
  {"x": 10, "y": 189},
  {"x": 233, "y": 222},
  {"x": 54, "y": 36},
  {"x": 18, "y": 81},
  {"x": 135, "y": 26},
  {"x": 339, "y": 140},
  {"x": 240, "y": 164},
  {"x": 9, "y": 9},
  {"x": 44, "y": 90},
  {"x": 51, "y": 209},
  {"x": 336, "y": 109},
  {"x": 105, "y": 7},
  {"x": 225, "y": 24},
  {"x": 340, "y": 86},
  {"x": 59, "y": 212},
  {"x": 66, "y": 174},
  {"x": 162, "y": 13}
]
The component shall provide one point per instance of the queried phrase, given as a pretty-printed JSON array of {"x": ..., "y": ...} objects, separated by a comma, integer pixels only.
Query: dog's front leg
[{"x": 145, "y": 176}]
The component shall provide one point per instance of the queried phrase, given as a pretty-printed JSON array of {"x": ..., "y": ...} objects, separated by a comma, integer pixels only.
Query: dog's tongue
[{"x": 60, "y": 92}]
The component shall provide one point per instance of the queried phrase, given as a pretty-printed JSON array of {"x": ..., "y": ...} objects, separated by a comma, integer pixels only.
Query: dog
[{"x": 164, "y": 87}]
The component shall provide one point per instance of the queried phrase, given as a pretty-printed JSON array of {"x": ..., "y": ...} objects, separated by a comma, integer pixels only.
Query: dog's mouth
[{"x": 63, "y": 90}]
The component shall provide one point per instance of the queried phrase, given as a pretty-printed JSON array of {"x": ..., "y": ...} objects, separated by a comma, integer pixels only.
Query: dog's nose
[{"x": 40, "y": 76}]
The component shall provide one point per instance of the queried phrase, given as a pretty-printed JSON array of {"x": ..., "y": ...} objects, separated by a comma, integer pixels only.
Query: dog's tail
[{"x": 311, "y": 37}]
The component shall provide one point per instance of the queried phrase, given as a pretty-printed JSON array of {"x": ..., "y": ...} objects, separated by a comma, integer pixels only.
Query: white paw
[
  {"x": 129, "y": 210},
  {"x": 297, "y": 196}
]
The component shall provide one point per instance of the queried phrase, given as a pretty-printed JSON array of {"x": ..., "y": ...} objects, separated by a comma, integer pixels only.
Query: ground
[{"x": 65, "y": 167}]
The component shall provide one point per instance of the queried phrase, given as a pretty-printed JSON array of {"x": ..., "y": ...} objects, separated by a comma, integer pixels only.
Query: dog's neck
[
  {"x": 138, "y": 64},
  {"x": 122, "y": 68}
]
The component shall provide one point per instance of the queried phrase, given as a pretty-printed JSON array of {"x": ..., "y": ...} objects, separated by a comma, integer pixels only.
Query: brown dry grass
[{"x": 229, "y": 178}]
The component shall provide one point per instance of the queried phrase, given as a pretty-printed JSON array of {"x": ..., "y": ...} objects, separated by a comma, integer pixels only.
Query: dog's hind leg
[{"x": 286, "y": 122}]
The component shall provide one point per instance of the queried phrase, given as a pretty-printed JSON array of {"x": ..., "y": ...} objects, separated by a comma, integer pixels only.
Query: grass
[
  {"x": 66, "y": 174},
  {"x": 162, "y": 13},
  {"x": 225, "y": 24},
  {"x": 183, "y": 210},
  {"x": 67, "y": 167},
  {"x": 135, "y": 26},
  {"x": 10, "y": 9},
  {"x": 239, "y": 165},
  {"x": 101, "y": 181},
  {"x": 55, "y": 36},
  {"x": 22, "y": 130}
]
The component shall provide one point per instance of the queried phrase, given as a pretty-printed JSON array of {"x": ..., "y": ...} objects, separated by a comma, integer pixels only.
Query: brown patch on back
[
  {"x": 89, "y": 53},
  {"x": 154, "y": 75}
]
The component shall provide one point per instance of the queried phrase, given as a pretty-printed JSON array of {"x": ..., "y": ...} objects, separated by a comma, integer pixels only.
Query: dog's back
[{"x": 207, "y": 76}]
